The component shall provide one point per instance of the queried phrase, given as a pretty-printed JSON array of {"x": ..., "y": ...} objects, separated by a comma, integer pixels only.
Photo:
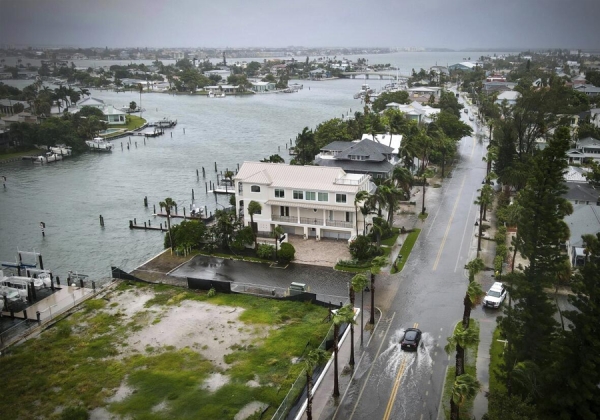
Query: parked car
[
  {"x": 471, "y": 118},
  {"x": 466, "y": 110},
  {"x": 495, "y": 296},
  {"x": 411, "y": 339}
]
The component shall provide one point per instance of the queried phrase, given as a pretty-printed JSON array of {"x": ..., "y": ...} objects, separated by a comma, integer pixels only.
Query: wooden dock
[{"x": 220, "y": 189}]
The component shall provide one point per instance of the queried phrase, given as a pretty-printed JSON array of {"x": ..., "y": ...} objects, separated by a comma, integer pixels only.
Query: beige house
[{"x": 312, "y": 201}]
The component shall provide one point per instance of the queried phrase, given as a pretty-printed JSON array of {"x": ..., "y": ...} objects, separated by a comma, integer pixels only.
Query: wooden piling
[
  {"x": 146, "y": 201},
  {"x": 192, "y": 194},
  {"x": 206, "y": 186},
  {"x": 197, "y": 174},
  {"x": 130, "y": 227},
  {"x": 184, "y": 130},
  {"x": 145, "y": 225},
  {"x": 149, "y": 224},
  {"x": 121, "y": 146},
  {"x": 136, "y": 144},
  {"x": 203, "y": 173},
  {"x": 101, "y": 221},
  {"x": 215, "y": 166},
  {"x": 171, "y": 134},
  {"x": 154, "y": 206},
  {"x": 184, "y": 213},
  {"x": 144, "y": 141},
  {"x": 134, "y": 221}
]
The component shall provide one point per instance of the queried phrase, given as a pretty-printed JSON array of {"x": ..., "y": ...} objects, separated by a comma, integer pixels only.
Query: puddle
[
  {"x": 215, "y": 381},
  {"x": 250, "y": 409}
]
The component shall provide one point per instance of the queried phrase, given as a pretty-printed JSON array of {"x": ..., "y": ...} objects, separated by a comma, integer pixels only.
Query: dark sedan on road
[{"x": 411, "y": 339}]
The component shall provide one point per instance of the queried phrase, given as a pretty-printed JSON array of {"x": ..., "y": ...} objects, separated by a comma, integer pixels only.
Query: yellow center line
[
  {"x": 439, "y": 255},
  {"x": 390, "y": 404}
]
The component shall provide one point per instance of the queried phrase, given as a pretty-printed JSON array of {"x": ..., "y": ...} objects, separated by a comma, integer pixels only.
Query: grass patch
[
  {"x": 350, "y": 269},
  {"x": 423, "y": 216},
  {"x": 7, "y": 156},
  {"x": 470, "y": 368},
  {"x": 406, "y": 249},
  {"x": 79, "y": 367},
  {"x": 391, "y": 241},
  {"x": 496, "y": 360}
]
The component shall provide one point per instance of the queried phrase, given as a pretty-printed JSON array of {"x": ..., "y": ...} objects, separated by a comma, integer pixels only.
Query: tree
[
  {"x": 287, "y": 252},
  {"x": 332, "y": 130},
  {"x": 306, "y": 148},
  {"x": 186, "y": 235},
  {"x": 358, "y": 282},
  {"x": 474, "y": 292},
  {"x": 529, "y": 325},
  {"x": 404, "y": 180},
  {"x": 485, "y": 198},
  {"x": 344, "y": 315},
  {"x": 376, "y": 265},
  {"x": 360, "y": 196},
  {"x": 464, "y": 388},
  {"x": 400, "y": 97},
  {"x": 18, "y": 107},
  {"x": 273, "y": 159},
  {"x": 314, "y": 358},
  {"x": 168, "y": 204},
  {"x": 132, "y": 106},
  {"x": 254, "y": 207},
  {"x": 276, "y": 233},
  {"x": 459, "y": 340}
]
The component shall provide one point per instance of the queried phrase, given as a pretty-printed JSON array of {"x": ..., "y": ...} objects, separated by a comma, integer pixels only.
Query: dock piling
[
  {"x": 149, "y": 224},
  {"x": 192, "y": 194},
  {"x": 121, "y": 146},
  {"x": 184, "y": 213},
  {"x": 197, "y": 174},
  {"x": 203, "y": 173},
  {"x": 206, "y": 186},
  {"x": 136, "y": 144},
  {"x": 184, "y": 130},
  {"x": 216, "y": 167},
  {"x": 145, "y": 225},
  {"x": 134, "y": 221},
  {"x": 130, "y": 226},
  {"x": 144, "y": 141},
  {"x": 154, "y": 206},
  {"x": 171, "y": 134},
  {"x": 101, "y": 221},
  {"x": 38, "y": 316},
  {"x": 146, "y": 201},
  {"x": 161, "y": 227}
]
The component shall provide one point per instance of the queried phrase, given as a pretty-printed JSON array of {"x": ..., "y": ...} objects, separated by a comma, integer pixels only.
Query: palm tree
[
  {"x": 376, "y": 264},
  {"x": 378, "y": 229},
  {"x": 314, "y": 358},
  {"x": 277, "y": 232},
  {"x": 403, "y": 179},
  {"x": 360, "y": 196},
  {"x": 461, "y": 338},
  {"x": 485, "y": 198},
  {"x": 344, "y": 315},
  {"x": 254, "y": 207},
  {"x": 474, "y": 292},
  {"x": 464, "y": 388},
  {"x": 358, "y": 282},
  {"x": 168, "y": 204}
]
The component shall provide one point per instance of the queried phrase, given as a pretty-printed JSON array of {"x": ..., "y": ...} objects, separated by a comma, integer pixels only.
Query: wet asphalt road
[{"x": 390, "y": 383}]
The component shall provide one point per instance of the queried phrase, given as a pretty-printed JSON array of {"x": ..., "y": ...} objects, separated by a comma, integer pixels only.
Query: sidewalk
[{"x": 324, "y": 405}]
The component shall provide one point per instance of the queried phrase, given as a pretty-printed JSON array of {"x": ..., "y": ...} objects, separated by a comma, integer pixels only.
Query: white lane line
[{"x": 464, "y": 231}]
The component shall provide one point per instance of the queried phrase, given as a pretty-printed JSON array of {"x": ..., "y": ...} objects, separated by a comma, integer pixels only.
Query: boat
[
  {"x": 98, "y": 144},
  {"x": 364, "y": 90},
  {"x": 164, "y": 123},
  {"x": 61, "y": 150},
  {"x": 212, "y": 94},
  {"x": 48, "y": 157},
  {"x": 296, "y": 86}
]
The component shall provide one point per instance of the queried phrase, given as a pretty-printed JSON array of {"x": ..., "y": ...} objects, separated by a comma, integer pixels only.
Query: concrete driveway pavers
[{"x": 328, "y": 284}]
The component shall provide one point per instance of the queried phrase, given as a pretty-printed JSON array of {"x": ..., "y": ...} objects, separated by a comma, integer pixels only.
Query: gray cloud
[{"x": 277, "y": 23}]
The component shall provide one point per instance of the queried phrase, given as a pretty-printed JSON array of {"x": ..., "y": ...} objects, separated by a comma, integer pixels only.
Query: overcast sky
[{"x": 453, "y": 24}]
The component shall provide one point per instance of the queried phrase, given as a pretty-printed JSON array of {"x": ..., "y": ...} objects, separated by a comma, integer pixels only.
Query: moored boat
[{"x": 99, "y": 144}]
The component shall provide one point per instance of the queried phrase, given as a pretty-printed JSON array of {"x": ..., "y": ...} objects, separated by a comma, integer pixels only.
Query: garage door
[{"x": 335, "y": 235}]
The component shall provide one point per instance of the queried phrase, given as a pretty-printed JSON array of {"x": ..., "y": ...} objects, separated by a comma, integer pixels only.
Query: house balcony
[
  {"x": 339, "y": 223},
  {"x": 286, "y": 219},
  {"x": 311, "y": 221}
]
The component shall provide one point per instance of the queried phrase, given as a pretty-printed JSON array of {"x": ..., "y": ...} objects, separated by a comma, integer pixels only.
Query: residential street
[{"x": 428, "y": 293}]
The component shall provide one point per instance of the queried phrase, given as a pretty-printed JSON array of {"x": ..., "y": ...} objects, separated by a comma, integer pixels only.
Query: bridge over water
[{"x": 382, "y": 75}]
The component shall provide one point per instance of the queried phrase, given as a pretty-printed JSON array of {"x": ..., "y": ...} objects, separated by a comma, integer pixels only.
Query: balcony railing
[
  {"x": 339, "y": 223},
  {"x": 287, "y": 219},
  {"x": 311, "y": 221}
]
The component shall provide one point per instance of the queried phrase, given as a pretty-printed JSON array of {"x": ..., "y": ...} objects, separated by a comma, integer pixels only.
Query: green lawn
[
  {"x": 496, "y": 353},
  {"x": 406, "y": 249},
  {"x": 6, "y": 156},
  {"x": 423, "y": 216},
  {"x": 470, "y": 368},
  {"x": 78, "y": 363}
]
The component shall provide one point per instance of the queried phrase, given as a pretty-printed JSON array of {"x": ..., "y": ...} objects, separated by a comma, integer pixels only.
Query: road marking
[
  {"x": 390, "y": 404},
  {"x": 439, "y": 255},
  {"x": 426, "y": 393},
  {"x": 371, "y": 369},
  {"x": 435, "y": 353},
  {"x": 473, "y": 149},
  {"x": 422, "y": 414},
  {"x": 464, "y": 231}
]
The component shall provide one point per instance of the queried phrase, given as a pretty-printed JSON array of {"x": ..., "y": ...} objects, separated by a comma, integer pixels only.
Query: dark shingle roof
[
  {"x": 581, "y": 192},
  {"x": 357, "y": 166}
]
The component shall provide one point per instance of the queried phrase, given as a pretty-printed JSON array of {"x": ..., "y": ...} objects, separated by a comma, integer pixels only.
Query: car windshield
[
  {"x": 494, "y": 293},
  {"x": 410, "y": 335}
]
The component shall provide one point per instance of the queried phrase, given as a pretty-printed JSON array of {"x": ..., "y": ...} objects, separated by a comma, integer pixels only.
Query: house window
[
  {"x": 323, "y": 196},
  {"x": 279, "y": 193},
  {"x": 240, "y": 188},
  {"x": 284, "y": 211},
  {"x": 340, "y": 198},
  {"x": 255, "y": 188},
  {"x": 349, "y": 216},
  {"x": 298, "y": 195},
  {"x": 311, "y": 195}
]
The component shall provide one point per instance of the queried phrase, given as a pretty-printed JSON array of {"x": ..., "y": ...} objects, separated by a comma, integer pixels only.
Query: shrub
[
  {"x": 361, "y": 248},
  {"x": 286, "y": 252},
  {"x": 265, "y": 251},
  {"x": 502, "y": 251},
  {"x": 354, "y": 264},
  {"x": 211, "y": 293},
  {"x": 500, "y": 238},
  {"x": 74, "y": 413},
  {"x": 498, "y": 260}
]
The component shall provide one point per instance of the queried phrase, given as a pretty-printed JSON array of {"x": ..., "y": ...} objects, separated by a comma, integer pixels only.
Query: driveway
[{"x": 326, "y": 252}]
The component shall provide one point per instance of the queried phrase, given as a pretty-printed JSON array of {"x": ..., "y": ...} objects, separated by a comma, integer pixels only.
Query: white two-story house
[{"x": 312, "y": 201}]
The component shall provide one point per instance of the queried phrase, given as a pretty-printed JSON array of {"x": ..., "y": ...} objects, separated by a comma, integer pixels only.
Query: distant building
[
  {"x": 585, "y": 150},
  {"x": 7, "y": 106},
  {"x": 510, "y": 96},
  {"x": 262, "y": 86},
  {"x": 415, "y": 111},
  {"x": 464, "y": 66},
  {"x": 90, "y": 101}
]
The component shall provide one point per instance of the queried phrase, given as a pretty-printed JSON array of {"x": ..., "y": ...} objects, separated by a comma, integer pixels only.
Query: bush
[
  {"x": 387, "y": 231},
  {"x": 362, "y": 249},
  {"x": 265, "y": 251},
  {"x": 500, "y": 238},
  {"x": 502, "y": 251},
  {"x": 74, "y": 413},
  {"x": 354, "y": 264},
  {"x": 286, "y": 252}
]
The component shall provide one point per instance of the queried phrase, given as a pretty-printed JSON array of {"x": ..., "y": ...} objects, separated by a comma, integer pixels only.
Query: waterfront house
[
  {"x": 310, "y": 201},
  {"x": 224, "y": 73},
  {"x": 262, "y": 86},
  {"x": 114, "y": 116},
  {"x": 463, "y": 66},
  {"x": 90, "y": 101},
  {"x": 7, "y": 106},
  {"x": 358, "y": 157},
  {"x": 426, "y": 91},
  {"x": 319, "y": 74},
  {"x": 589, "y": 90},
  {"x": 581, "y": 194}
]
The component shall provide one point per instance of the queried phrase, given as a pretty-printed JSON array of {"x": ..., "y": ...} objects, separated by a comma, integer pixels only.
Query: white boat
[
  {"x": 48, "y": 157},
  {"x": 212, "y": 94},
  {"x": 296, "y": 86},
  {"x": 61, "y": 150},
  {"x": 45, "y": 279},
  {"x": 99, "y": 144},
  {"x": 17, "y": 283}
]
